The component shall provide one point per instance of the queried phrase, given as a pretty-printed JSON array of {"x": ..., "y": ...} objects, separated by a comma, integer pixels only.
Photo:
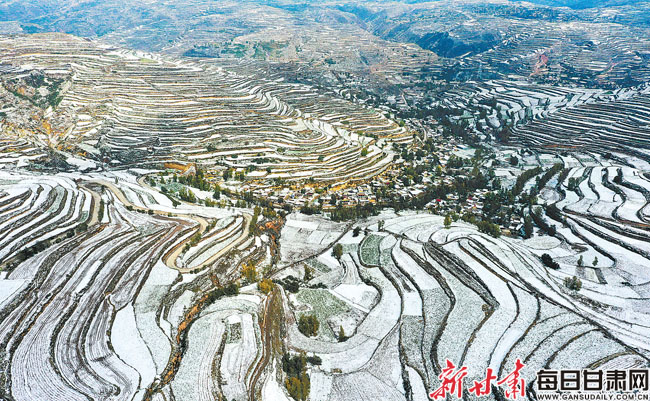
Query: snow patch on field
[
  {"x": 8, "y": 289},
  {"x": 321, "y": 385},
  {"x": 129, "y": 346},
  {"x": 81, "y": 164},
  {"x": 542, "y": 242},
  {"x": 273, "y": 391}
]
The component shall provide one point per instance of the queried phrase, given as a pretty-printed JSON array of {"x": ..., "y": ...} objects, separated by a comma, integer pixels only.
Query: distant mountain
[{"x": 583, "y": 4}]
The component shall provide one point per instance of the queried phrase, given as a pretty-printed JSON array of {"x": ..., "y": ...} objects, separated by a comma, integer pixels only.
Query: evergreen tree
[
  {"x": 308, "y": 325},
  {"x": 337, "y": 251},
  {"x": 528, "y": 227}
]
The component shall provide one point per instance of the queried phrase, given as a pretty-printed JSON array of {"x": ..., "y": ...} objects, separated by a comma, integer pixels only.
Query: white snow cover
[{"x": 129, "y": 346}]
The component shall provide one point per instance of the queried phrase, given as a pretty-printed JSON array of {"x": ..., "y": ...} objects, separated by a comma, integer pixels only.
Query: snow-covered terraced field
[
  {"x": 100, "y": 309},
  {"x": 133, "y": 108},
  {"x": 89, "y": 309},
  {"x": 602, "y": 221},
  {"x": 467, "y": 297},
  {"x": 112, "y": 290},
  {"x": 615, "y": 123}
]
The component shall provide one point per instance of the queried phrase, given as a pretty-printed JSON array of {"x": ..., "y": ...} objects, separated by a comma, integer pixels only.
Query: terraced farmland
[
  {"x": 433, "y": 294},
  {"x": 89, "y": 307},
  {"x": 124, "y": 108},
  {"x": 618, "y": 126},
  {"x": 260, "y": 226},
  {"x": 603, "y": 217},
  {"x": 113, "y": 319}
]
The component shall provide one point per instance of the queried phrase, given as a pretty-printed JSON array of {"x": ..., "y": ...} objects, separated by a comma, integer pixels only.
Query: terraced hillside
[
  {"x": 549, "y": 117},
  {"x": 122, "y": 108},
  {"x": 618, "y": 125},
  {"x": 412, "y": 294},
  {"x": 601, "y": 212},
  {"x": 92, "y": 301},
  {"x": 106, "y": 301},
  {"x": 152, "y": 247}
]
